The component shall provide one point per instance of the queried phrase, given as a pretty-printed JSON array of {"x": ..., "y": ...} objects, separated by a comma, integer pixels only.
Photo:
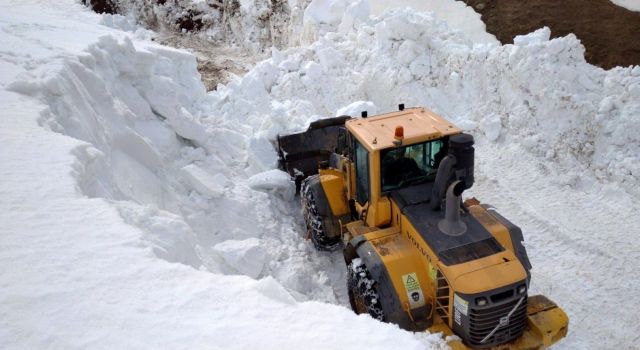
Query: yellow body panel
[
  {"x": 401, "y": 260},
  {"x": 546, "y": 320},
  {"x": 374, "y": 193},
  {"x": 335, "y": 189},
  {"x": 380, "y": 214},
  {"x": 488, "y": 278},
  {"x": 475, "y": 276}
]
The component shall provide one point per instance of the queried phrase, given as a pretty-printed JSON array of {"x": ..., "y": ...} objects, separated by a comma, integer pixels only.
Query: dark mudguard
[{"x": 393, "y": 310}]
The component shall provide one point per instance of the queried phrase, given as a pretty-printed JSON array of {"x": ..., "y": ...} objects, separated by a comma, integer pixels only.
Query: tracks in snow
[{"x": 580, "y": 241}]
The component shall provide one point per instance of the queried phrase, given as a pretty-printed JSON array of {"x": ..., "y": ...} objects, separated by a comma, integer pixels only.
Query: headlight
[
  {"x": 522, "y": 289},
  {"x": 482, "y": 301}
]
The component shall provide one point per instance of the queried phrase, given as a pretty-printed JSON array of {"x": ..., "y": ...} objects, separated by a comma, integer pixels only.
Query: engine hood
[{"x": 489, "y": 277}]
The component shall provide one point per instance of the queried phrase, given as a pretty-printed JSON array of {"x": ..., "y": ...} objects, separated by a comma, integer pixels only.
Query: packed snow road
[
  {"x": 578, "y": 240},
  {"x": 140, "y": 211}
]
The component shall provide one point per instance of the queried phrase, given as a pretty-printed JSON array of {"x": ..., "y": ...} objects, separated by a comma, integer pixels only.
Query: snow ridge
[
  {"x": 539, "y": 93},
  {"x": 118, "y": 239}
]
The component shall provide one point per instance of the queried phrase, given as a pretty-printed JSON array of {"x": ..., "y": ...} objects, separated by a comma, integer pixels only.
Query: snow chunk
[
  {"x": 325, "y": 11},
  {"x": 539, "y": 36},
  {"x": 355, "y": 108},
  {"x": 270, "y": 288},
  {"x": 456, "y": 14},
  {"x": 274, "y": 181},
  {"x": 356, "y": 12},
  {"x": 246, "y": 256},
  {"x": 491, "y": 126},
  {"x": 204, "y": 182},
  {"x": 261, "y": 155}
]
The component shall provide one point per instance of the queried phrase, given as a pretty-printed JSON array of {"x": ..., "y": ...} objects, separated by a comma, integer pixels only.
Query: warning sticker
[
  {"x": 461, "y": 304},
  {"x": 414, "y": 292},
  {"x": 432, "y": 272}
]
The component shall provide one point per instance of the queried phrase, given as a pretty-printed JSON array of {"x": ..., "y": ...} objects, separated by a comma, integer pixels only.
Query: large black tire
[
  {"x": 316, "y": 229},
  {"x": 363, "y": 292}
]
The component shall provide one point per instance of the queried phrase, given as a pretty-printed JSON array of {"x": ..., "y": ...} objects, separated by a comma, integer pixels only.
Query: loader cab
[{"x": 385, "y": 160}]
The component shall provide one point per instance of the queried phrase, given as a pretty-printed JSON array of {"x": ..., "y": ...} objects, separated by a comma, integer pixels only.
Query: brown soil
[
  {"x": 610, "y": 34},
  {"x": 217, "y": 63}
]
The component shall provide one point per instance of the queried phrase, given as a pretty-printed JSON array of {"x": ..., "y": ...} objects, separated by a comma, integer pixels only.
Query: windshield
[{"x": 403, "y": 166}]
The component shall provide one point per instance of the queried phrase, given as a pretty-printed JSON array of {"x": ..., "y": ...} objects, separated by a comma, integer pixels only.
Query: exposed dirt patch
[
  {"x": 610, "y": 34},
  {"x": 225, "y": 40},
  {"x": 102, "y": 6},
  {"x": 217, "y": 62}
]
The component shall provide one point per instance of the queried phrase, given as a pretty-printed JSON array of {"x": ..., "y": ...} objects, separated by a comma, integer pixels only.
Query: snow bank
[
  {"x": 457, "y": 14},
  {"x": 251, "y": 24},
  {"x": 539, "y": 93},
  {"x": 108, "y": 238},
  {"x": 257, "y": 25},
  {"x": 134, "y": 105}
]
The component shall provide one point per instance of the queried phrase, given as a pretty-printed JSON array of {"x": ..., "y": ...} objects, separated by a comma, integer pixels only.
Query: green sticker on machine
[
  {"x": 433, "y": 273},
  {"x": 414, "y": 292}
]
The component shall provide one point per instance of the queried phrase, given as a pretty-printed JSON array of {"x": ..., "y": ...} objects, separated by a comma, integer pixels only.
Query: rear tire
[
  {"x": 316, "y": 229},
  {"x": 363, "y": 292}
]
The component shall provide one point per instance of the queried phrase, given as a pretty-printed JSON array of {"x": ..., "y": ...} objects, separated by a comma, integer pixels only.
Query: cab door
[{"x": 362, "y": 182}]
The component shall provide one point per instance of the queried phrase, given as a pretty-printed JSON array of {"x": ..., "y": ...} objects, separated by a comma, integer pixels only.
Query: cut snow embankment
[
  {"x": 539, "y": 93},
  {"x": 456, "y": 14},
  {"x": 323, "y": 16},
  {"x": 94, "y": 214}
]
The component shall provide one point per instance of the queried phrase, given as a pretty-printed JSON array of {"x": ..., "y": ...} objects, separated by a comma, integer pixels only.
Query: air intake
[{"x": 451, "y": 224}]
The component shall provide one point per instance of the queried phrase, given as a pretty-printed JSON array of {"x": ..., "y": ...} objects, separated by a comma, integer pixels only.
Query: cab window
[
  {"x": 412, "y": 164},
  {"x": 362, "y": 173}
]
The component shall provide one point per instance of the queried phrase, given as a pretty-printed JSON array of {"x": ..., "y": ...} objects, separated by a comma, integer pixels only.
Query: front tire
[
  {"x": 363, "y": 292},
  {"x": 315, "y": 224}
]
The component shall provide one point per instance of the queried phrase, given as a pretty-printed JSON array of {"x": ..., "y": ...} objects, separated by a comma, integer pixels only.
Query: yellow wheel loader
[{"x": 386, "y": 190}]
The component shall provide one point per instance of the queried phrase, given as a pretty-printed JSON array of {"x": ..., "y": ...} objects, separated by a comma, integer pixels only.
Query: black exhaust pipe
[
  {"x": 451, "y": 224},
  {"x": 456, "y": 166}
]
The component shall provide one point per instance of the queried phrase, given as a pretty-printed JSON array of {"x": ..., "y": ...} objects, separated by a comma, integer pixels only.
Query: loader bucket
[{"x": 301, "y": 154}]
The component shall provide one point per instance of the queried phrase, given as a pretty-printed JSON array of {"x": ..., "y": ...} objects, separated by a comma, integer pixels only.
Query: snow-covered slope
[
  {"x": 88, "y": 235},
  {"x": 457, "y": 14},
  {"x": 140, "y": 212}
]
